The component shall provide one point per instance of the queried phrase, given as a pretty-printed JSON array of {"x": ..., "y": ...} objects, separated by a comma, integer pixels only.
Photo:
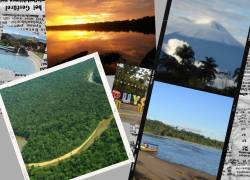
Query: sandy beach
[
  {"x": 6, "y": 75},
  {"x": 35, "y": 59},
  {"x": 149, "y": 167}
]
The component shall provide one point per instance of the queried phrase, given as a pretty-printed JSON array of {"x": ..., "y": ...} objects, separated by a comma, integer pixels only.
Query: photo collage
[
  {"x": 121, "y": 31},
  {"x": 130, "y": 89},
  {"x": 55, "y": 129},
  {"x": 196, "y": 85},
  {"x": 117, "y": 35},
  {"x": 88, "y": 87}
]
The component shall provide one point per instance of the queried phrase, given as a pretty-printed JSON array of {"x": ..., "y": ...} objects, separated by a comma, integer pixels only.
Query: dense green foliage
[
  {"x": 31, "y": 43},
  {"x": 96, "y": 77},
  {"x": 55, "y": 113},
  {"x": 161, "y": 129},
  {"x": 132, "y": 79},
  {"x": 107, "y": 150}
]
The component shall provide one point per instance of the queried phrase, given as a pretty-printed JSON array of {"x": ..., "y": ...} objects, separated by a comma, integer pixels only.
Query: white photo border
[{"x": 7, "y": 121}]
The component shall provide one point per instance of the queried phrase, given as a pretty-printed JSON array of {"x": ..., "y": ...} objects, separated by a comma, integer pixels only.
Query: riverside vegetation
[{"x": 161, "y": 129}]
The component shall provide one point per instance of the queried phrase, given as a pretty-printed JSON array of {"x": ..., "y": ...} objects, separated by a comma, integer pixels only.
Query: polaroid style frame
[
  {"x": 111, "y": 102},
  {"x": 234, "y": 105}
]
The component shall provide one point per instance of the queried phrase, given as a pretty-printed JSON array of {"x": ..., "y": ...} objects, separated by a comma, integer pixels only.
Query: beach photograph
[
  {"x": 21, "y": 53},
  {"x": 63, "y": 123},
  {"x": 204, "y": 43},
  {"x": 183, "y": 135},
  {"x": 122, "y": 31},
  {"x": 130, "y": 89}
]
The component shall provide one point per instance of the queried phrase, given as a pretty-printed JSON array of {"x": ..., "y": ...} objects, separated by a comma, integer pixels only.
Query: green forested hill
[
  {"x": 57, "y": 112},
  {"x": 161, "y": 129}
]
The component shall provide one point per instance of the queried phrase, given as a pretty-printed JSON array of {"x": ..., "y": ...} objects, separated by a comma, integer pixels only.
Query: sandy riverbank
[
  {"x": 149, "y": 167},
  {"x": 35, "y": 59}
]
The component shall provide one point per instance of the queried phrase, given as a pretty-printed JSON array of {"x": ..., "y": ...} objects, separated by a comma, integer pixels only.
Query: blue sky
[
  {"x": 17, "y": 31},
  {"x": 234, "y": 15},
  {"x": 177, "y": 106}
]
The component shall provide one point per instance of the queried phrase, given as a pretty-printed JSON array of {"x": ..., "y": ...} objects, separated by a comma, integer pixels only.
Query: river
[
  {"x": 132, "y": 46},
  {"x": 192, "y": 155},
  {"x": 17, "y": 64}
]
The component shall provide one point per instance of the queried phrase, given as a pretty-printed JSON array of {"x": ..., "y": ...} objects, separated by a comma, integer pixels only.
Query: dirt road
[{"x": 102, "y": 126}]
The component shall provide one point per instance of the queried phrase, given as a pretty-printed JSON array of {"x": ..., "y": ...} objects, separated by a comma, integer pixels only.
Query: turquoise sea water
[{"x": 18, "y": 64}]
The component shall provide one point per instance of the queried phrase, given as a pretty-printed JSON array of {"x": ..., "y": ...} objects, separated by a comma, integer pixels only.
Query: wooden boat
[{"x": 151, "y": 148}]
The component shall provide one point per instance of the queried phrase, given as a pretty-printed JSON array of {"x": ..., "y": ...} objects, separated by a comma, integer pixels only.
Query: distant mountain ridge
[
  {"x": 20, "y": 36},
  {"x": 211, "y": 30},
  {"x": 207, "y": 40}
]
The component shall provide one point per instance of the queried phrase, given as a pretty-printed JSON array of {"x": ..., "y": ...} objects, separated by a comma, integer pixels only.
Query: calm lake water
[
  {"x": 199, "y": 157},
  {"x": 18, "y": 64},
  {"x": 132, "y": 46}
]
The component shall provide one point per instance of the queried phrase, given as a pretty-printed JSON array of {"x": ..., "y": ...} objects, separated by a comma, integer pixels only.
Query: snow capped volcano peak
[
  {"x": 217, "y": 26},
  {"x": 211, "y": 23},
  {"x": 207, "y": 39},
  {"x": 201, "y": 29},
  {"x": 214, "y": 26}
]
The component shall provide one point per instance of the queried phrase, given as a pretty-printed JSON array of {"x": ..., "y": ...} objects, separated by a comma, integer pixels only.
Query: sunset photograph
[{"x": 122, "y": 31}]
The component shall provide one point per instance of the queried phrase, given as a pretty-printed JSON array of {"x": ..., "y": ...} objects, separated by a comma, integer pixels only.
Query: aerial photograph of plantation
[{"x": 64, "y": 124}]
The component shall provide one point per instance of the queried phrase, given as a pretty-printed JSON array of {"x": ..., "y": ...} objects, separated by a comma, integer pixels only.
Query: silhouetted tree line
[
  {"x": 144, "y": 25},
  {"x": 187, "y": 73}
]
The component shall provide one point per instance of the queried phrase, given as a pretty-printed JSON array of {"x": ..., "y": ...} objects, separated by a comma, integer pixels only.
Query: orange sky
[{"x": 62, "y": 12}]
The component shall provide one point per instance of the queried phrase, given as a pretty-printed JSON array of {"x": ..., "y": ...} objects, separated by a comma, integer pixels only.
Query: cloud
[
  {"x": 223, "y": 81},
  {"x": 233, "y": 15},
  {"x": 171, "y": 45},
  {"x": 170, "y": 49},
  {"x": 198, "y": 63},
  {"x": 101, "y": 10}
]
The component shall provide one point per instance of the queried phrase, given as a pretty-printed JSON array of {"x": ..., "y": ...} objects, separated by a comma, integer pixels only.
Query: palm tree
[
  {"x": 171, "y": 64},
  {"x": 208, "y": 70},
  {"x": 187, "y": 69},
  {"x": 186, "y": 53}
]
